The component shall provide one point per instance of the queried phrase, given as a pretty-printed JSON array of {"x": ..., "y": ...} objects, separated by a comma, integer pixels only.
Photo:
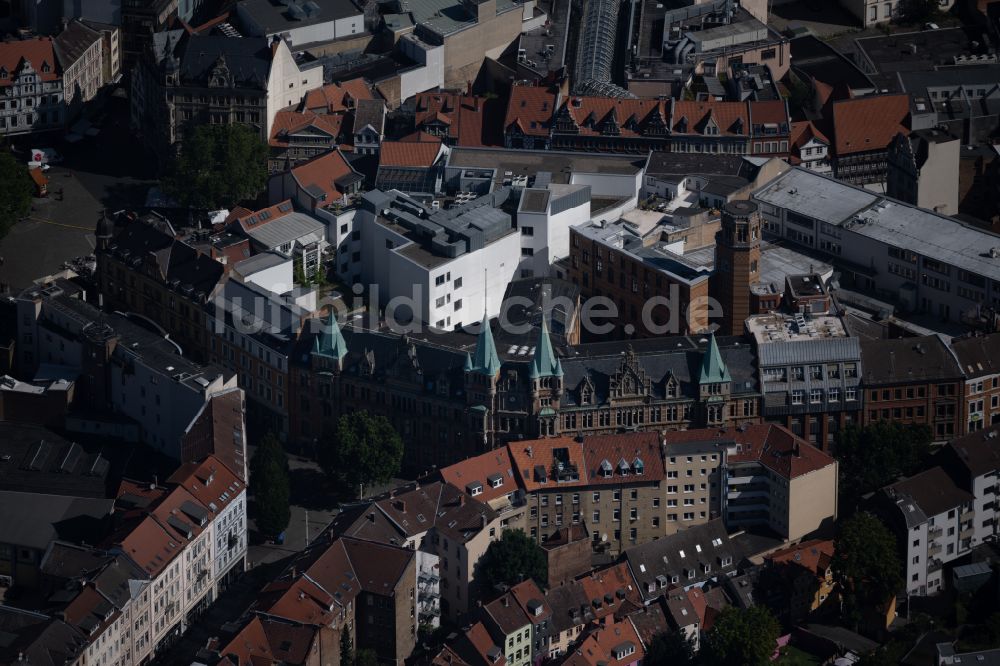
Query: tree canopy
[
  {"x": 670, "y": 647},
  {"x": 16, "y": 189},
  {"x": 866, "y": 563},
  {"x": 364, "y": 449},
  {"x": 218, "y": 166},
  {"x": 511, "y": 559},
  {"x": 919, "y": 11},
  {"x": 270, "y": 486},
  {"x": 742, "y": 637},
  {"x": 874, "y": 455}
]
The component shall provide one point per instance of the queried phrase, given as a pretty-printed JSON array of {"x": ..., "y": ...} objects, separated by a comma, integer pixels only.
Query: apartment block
[
  {"x": 775, "y": 480},
  {"x": 348, "y": 585},
  {"x": 143, "y": 268},
  {"x": 446, "y": 529},
  {"x": 934, "y": 522},
  {"x": 913, "y": 380},
  {"x": 979, "y": 359},
  {"x": 32, "y": 87},
  {"x": 119, "y": 366},
  {"x": 810, "y": 372}
]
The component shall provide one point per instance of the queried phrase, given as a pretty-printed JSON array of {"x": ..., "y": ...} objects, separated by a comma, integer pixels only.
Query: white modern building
[
  {"x": 301, "y": 22},
  {"x": 544, "y": 217},
  {"x": 445, "y": 268},
  {"x": 934, "y": 524}
]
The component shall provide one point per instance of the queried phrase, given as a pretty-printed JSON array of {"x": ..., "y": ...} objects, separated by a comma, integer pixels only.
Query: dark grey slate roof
[
  {"x": 659, "y": 358},
  {"x": 248, "y": 59},
  {"x": 682, "y": 558}
]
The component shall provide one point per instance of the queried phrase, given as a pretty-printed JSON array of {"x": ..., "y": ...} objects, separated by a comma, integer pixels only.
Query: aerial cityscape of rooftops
[{"x": 499, "y": 332}]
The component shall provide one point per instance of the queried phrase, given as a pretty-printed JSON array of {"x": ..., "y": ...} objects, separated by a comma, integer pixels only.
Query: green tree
[
  {"x": 874, "y": 455},
  {"x": 866, "y": 564},
  {"x": 364, "y": 449},
  {"x": 270, "y": 486},
  {"x": 366, "y": 657},
  {"x": 218, "y": 166},
  {"x": 346, "y": 648},
  {"x": 511, "y": 559},
  {"x": 16, "y": 189},
  {"x": 671, "y": 647},
  {"x": 919, "y": 11},
  {"x": 741, "y": 637}
]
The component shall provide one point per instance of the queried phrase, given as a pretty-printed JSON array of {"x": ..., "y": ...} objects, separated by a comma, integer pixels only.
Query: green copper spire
[
  {"x": 468, "y": 362},
  {"x": 545, "y": 363},
  {"x": 485, "y": 360},
  {"x": 331, "y": 343},
  {"x": 713, "y": 370}
]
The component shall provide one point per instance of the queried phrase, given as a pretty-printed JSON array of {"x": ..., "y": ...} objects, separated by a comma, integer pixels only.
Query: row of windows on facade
[
  {"x": 799, "y": 373},
  {"x": 798, "y": 396}
]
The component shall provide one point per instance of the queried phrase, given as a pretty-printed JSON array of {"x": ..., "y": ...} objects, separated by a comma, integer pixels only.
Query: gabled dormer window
[
  {"x": 638, "y": 466},
  {"x": 606, "y": 470},
  {"x": 3, "y": 73},
  {"x": 45, "y": 67}
]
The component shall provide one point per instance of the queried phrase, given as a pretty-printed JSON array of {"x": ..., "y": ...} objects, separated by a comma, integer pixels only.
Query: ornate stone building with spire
[{"x": 451, "y": 397}]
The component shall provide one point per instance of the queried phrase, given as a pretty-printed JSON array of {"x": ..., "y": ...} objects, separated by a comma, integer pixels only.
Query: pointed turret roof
[
  {"x": 545, "y": 363},
  {"x": 713, "y": 370},
  {"x": 485, "y": 360},
  {"x": 330, "y": 342}
]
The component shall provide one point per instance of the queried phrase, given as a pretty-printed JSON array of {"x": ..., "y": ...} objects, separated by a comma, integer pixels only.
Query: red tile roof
[
  {"x": 631, "y": 115},
  {"x": 598, "y": 649},
  {"x": 588, "y": 457},
  {"x": 628, "y": 448},
  {"x": 815, "y": 556},
  {"x": 461, "y": 117},
  {"x": 38, "y": 52},
  {"x": 615, "y": 583},
  {"x": 730, "y": 117},
  {"x": 803, "y": 132},
  {"x": 524, "y": 594},
  {"x": 149, "y": 545},
  {"x": 327, "y": 577},
  {"x": 869, "y": 123},
  {"x": 291, "y": 122},
  {"x": 212, "y": 483},
  {"x": 531, "y": 109},
  {"x": 779, "y": 450},
  {"x": 477, "y": 645},
  {"x": 768, "y": 111},
  {"x": 480, "y": 469},
  {"x": 323, "y": 172},
  {"x": 418, "y": 137},
  {"x": 539, "y": 453},
  {"x": 265, "y": 641},
  {"x": 336, "y": 97},
  {"x": 409, "y": 154}
]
